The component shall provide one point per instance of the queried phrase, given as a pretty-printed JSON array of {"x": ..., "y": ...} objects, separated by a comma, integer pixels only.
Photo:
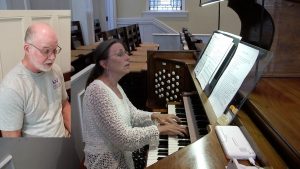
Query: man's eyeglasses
[{"x": 47, "y": 51}]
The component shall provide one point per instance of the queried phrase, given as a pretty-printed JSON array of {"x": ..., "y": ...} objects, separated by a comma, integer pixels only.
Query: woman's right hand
[{"x": 172, "y": 129}]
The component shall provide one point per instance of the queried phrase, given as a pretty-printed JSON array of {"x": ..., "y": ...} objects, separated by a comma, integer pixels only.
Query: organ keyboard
[
  {"x": 191, "y": 115},
  {"x": 169, "y": 145}
]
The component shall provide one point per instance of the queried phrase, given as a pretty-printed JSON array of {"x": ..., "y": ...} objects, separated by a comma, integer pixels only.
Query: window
[
  {"x": 166, "y": 8},
  {"x": 165, "y": 5}
]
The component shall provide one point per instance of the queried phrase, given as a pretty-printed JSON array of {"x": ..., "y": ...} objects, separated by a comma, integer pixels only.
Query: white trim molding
[{"x": 176, "y": 14}]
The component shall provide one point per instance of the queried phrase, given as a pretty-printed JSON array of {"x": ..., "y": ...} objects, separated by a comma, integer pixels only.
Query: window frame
[{"x": 166, "y": 13}]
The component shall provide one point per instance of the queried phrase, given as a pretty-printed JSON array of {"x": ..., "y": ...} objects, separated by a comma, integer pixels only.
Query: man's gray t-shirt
[{"x": 32, "y": 102}]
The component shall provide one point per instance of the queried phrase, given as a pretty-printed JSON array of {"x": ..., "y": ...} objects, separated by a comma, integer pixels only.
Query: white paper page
[
  {"x": 214, "y": 54},
  {"x": 232, "y": 78},
  {"x": 218, "y": 66}
]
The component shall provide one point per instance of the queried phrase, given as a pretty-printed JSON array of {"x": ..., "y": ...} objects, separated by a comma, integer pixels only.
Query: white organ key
[
  {"x": 172, "y": 141},
  {"x": 171, "y": 109},
  {"x": 173, "y": 145},
  {"x": 152, "y": 157}
]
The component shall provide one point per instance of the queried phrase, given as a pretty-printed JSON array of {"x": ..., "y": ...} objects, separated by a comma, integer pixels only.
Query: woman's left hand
[{"x": 165, "y": 118}]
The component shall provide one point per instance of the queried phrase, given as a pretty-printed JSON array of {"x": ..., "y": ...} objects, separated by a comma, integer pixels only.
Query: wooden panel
[
  {"x": 275, "y": 102},
  {"x": 286, "y": 44},
  {"x": 45, "y": 19},
  {"x": 208, "y": 153},
  {"x": 204, "y": 153},
  {"x": 62, "y": 26},
  {"x": 11, "y": 42},
  {"x": 78, "y": 82},
  {"x": 267, "y": 154}
]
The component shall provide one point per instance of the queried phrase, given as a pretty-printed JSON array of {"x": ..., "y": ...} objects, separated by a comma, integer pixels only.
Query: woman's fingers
[
  {"x": 170, "y": 118},
  {"x": 175, "y": 129},
  {"x": 183, "y": 130},
  {"x": 177, "y": 119}
]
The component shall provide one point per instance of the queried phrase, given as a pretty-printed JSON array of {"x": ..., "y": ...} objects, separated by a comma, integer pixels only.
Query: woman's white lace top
[{"x": 113, "y": 128}]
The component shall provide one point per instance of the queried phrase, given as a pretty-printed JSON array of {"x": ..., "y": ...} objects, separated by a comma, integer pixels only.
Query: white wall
[
  {"x": 3, "y": 5},
  {"x": 17, "y": 4},
  {"x": 200, "y": 20},
  {"x": 100, "y": 12},
  {"x": 50, "y": 4},
  {"x": 167, "y": 41},
  {"x": 35, "y": 4},
  {"x": 82, "y": 10}
]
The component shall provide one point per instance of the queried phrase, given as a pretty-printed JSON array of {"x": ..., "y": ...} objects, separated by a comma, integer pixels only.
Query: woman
[{"x": 113, "y": 127}]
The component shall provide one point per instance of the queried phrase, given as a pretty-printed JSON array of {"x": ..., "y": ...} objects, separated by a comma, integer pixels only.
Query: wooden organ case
[
  {"x": 166, "y": 78},
  {"x": 204, "y": 149}
]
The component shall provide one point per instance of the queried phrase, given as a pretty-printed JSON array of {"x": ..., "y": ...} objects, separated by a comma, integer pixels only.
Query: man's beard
[{"x": 41, "y": 67}]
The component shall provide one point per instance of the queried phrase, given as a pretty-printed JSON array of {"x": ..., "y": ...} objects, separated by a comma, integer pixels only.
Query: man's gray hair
[{"x": 29, "y": 34}]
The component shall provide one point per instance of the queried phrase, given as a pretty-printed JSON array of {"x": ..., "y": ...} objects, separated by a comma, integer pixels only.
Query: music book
[
  {"x": 218, "y": 51},
  {"x": 224, "y": 66}
]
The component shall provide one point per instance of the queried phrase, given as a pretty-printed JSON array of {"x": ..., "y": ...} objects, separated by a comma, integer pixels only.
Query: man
[{"x": 33, "y": 98}]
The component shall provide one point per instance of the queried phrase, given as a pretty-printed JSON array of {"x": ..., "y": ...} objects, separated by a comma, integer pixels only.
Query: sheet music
[
  {"x": 232, "y": 78},
  {"x": 212, "y": 57}
]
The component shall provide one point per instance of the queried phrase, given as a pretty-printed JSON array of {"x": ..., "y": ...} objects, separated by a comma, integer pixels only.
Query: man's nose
[
  {"x": 127, "y": 56},
  {"x": 52, "y": 55}
]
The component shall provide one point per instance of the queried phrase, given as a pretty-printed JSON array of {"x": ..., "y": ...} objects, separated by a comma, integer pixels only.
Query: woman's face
[{"x": 118, "y": 60}]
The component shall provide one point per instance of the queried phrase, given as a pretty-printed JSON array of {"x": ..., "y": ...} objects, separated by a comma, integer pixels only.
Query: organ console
[
  {"x": 202, "y": 148},
  {"x": 166, "y": 76},
  {"x": 269, "y": 119}
]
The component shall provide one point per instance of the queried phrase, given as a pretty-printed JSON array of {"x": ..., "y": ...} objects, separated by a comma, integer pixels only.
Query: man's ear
[
  {"x": 103, "y": 63},
  {"x": 26, "y": 48}
]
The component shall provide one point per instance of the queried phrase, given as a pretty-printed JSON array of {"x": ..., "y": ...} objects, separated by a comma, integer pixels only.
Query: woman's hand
[
  {"x": 165, "y": 118},
  {"x": 172, "y": 130}
]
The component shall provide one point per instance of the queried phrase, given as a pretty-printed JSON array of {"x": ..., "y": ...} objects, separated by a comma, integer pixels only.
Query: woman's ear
[{"x": 103, "y": 63}]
